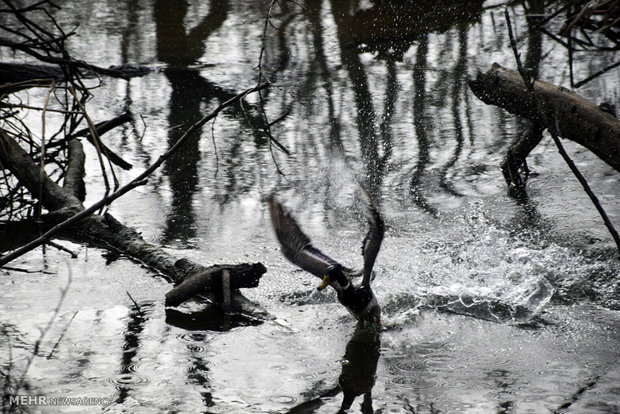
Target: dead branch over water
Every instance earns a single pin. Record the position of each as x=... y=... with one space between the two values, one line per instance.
x=556 y=109
x=579 y=119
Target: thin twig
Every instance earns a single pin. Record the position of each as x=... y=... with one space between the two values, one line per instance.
x=44 y=331
x=64 y=331
x=136 y=305
x=42 y=167
x=217 y=159
x=62 y=248
x=64 y=61
x=267 y=131
x=96 y=140
x=36 y=108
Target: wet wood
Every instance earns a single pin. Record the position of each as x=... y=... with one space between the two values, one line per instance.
x=218 y=278
x=576 y=118
x=515 y=160
x=15 y=159
x=22 y=72
x=74 y=176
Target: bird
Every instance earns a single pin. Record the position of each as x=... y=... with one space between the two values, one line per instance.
x=359 y=299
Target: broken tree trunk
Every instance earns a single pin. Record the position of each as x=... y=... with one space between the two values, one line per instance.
x=576 y=118
x=64 y=203
x=213 y=279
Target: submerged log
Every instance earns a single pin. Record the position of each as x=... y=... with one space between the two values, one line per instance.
x=574 y=117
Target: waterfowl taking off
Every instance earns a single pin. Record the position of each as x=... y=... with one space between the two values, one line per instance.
x=296 y=247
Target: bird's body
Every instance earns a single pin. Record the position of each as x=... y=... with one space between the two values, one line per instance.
x=296 y=247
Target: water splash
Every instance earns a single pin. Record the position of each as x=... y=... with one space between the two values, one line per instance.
x=475 y=265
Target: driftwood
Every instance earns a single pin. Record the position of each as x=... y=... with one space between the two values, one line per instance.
x=64 y=202
x=576 y=118
x=74 y=176
x=21 y=72
x=218 y=278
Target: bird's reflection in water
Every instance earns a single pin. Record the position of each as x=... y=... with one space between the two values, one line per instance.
x=360 y=366
x=358 y=372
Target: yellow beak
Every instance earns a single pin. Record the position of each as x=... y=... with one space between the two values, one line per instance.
x=326 y=281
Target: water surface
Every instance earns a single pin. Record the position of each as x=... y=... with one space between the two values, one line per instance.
x=491 y=303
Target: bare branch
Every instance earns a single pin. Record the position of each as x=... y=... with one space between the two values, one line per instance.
x=553 y=129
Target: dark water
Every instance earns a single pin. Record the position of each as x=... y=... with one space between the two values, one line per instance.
x=491 y=304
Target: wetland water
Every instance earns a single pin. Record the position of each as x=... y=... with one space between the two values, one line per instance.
x=490 y=304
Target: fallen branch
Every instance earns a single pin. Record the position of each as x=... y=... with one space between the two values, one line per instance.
x=74 y=176
x=16 y=160
x=515 y=159
x=211 y=279
x=578 y=119
x=552 y=125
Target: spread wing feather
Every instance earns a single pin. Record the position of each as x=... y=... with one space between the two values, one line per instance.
x=372 y=241
x=296 y=246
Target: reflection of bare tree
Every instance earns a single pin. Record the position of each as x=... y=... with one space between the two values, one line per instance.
x=314 y=10
x=180 y=49
x=176 y=46
x=131 y=345
x=388 y=112
x=386 y=30
x=459 y=73
x=366 y=116
x=420 y=125
x=534 y=17
x=131 y=32
x=182 y=169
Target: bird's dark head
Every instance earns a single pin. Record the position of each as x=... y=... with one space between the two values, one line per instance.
x=333 y=274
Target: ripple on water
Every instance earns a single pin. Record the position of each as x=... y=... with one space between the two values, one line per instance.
x=193 y=337
x=123 y=380
x=131 y=367
x=415 y=382
x=196 y=348
x=193 y=342
x=282 y=399
x=407 y=365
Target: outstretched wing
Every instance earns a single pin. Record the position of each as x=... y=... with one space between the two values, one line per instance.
x=296 y=246
x=373 y=239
